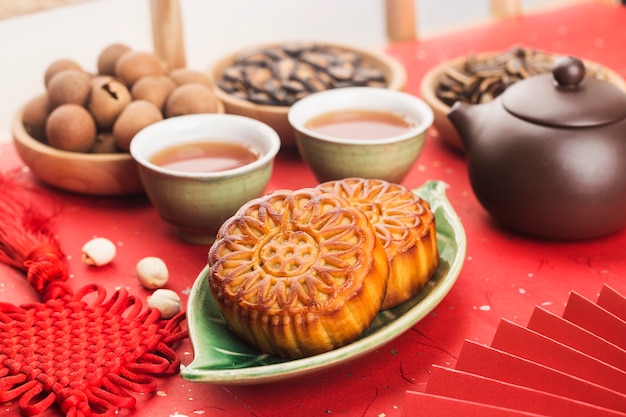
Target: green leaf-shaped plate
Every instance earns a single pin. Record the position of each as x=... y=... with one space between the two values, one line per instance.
x=221 y=358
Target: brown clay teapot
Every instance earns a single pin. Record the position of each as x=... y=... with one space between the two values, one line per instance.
x=547 y=158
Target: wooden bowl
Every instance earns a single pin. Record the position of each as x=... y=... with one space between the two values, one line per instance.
x=447 y=131
x=276 y=116
x=84 y=173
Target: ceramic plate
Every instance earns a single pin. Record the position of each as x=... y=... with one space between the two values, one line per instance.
x=221 y=358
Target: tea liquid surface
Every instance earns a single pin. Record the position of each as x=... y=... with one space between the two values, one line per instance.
x=360 y=124
x=205 y=156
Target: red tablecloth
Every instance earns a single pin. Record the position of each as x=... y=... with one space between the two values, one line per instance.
x=504 y=275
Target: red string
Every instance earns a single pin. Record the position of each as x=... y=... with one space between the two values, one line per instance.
x=45 y=264
x=84 y=356
x=27 y=241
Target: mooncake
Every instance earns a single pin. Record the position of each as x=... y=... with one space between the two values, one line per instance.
x=405 y=225
x=298 y=273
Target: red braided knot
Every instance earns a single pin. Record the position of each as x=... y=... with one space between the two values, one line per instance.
x=84 y=355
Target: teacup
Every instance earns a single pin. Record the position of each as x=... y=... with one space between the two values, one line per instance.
x=198 y=199
x=334 y=156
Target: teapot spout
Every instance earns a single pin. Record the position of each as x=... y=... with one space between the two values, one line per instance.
x=467 y=119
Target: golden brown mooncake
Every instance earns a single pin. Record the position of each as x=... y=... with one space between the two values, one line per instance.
x=404 y=224
x=297 y=273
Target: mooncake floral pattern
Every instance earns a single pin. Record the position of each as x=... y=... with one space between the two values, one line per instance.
x=394 y=211
x=293 y=250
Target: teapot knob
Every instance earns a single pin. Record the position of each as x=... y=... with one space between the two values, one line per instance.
x=568 y=71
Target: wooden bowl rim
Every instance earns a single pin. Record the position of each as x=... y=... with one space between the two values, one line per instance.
x=25 y=139
x=431 y=78
x=398 y=76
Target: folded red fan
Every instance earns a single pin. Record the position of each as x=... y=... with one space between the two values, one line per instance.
x=557 y=366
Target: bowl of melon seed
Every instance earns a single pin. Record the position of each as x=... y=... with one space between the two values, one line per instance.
x=480 y=77
x=263 y=81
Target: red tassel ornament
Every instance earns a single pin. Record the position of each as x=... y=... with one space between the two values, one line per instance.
x=79 y=350
x=26 y=240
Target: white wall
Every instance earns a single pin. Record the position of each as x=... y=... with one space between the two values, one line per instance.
x=212 y=28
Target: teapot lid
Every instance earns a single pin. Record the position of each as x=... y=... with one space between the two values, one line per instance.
x=565 y=98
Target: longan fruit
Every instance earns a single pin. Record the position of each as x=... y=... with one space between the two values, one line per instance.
x=187 y=76
x=155 y=89
x=58 y=66
x=191 y=99
x=34 y=116
x=104 y=143
x=69 y=86
x=109 y=56
x=137 y=115
x=133 y=65
x=108 y=97
x=71 y=127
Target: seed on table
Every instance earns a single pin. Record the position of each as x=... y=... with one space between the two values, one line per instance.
x=152 y=272
x=166 y=301
x=98 y=251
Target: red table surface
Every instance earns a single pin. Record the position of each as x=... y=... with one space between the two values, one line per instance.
x=504 y=275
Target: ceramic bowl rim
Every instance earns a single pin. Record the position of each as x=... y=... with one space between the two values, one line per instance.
x=270 y=137
x=425 y=112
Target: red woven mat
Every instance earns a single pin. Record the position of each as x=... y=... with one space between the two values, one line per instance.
x=80 y=350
